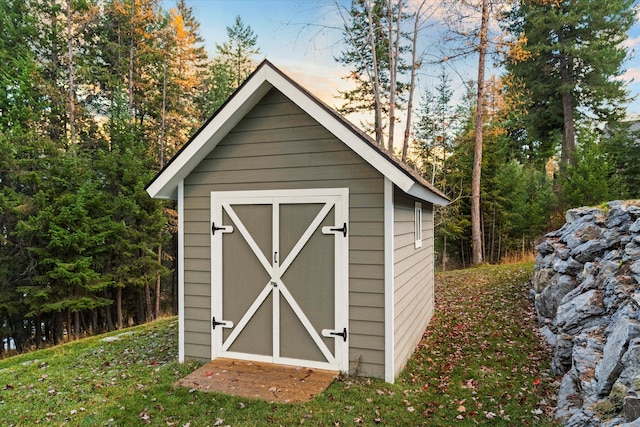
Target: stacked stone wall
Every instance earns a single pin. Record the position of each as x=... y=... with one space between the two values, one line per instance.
x=586 y=285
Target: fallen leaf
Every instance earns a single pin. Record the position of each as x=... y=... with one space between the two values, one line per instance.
x=462 y=409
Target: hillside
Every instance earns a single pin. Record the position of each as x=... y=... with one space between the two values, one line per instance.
x=480 y=360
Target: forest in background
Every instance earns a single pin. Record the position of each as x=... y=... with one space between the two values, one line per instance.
x=96 y=96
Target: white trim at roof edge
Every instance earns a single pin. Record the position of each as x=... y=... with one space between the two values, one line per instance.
x=418 y=191
x=250 y=93
x=354 y=141
x=389 y=273
x=181 y=354
x=165 y=184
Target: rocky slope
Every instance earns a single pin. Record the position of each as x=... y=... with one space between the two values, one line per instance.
x=586 y=285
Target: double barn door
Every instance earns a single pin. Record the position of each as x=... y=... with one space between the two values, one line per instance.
x=280 y=276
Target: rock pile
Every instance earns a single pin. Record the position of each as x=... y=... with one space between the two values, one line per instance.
x=586 y=285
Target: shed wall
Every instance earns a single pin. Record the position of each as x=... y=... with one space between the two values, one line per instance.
x=279 y=146
x=413 y=281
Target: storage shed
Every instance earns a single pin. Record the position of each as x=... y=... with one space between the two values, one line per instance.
x=300 y=242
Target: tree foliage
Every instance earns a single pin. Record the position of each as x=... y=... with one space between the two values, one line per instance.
x=567 y=58
x=94 y=97
x=375 y=51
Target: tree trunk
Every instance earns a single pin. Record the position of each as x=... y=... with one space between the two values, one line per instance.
x=412 y=83
x=147 y=303
x=394 y=47
x=72 y=88
x=163 y=121
x=444 y=254
x=131 y=56
x=58 y=328
x=69 y=325
x=158 y=283
x=375 y=78
x=107 y=312
x=38 y=326
x=567 y=157
x=76 y=325
x=476 y=232
x=140 y=307
x=119 y=307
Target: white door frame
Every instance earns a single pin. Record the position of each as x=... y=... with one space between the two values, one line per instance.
x=337 y=198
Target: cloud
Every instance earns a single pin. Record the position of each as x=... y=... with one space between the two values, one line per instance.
x=632 y=75
x=631 y=42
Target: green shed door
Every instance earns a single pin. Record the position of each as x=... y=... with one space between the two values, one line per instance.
x=280 y=276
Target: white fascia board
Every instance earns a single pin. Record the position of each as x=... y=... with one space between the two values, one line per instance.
x=418 y=191
x=352 y=140
x=164 y=187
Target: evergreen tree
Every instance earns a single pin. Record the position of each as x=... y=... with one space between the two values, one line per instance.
x=592 y=179
x=567 y=58
x=238 y=51
x=436 y=129
x=233 y=64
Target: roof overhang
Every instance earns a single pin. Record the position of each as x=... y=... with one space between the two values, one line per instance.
x=266 y=77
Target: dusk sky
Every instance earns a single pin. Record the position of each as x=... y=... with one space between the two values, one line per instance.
x=303 y=37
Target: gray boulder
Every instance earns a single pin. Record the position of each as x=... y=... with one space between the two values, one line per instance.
x=581 y=312
x=610 y=367
x=549 y=300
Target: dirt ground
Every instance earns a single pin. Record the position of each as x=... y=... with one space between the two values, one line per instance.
x=273 y=383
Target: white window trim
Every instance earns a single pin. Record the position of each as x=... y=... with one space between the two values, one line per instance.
x=418 y=225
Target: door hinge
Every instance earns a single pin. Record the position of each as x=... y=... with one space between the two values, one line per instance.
x=332 y=230
x=329 y=333
x=224 y=323
x=223 y=229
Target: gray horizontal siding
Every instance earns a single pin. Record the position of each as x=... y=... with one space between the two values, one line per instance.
x=278 y=146
x=413 y=278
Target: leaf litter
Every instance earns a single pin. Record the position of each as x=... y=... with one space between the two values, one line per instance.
x=480 y=361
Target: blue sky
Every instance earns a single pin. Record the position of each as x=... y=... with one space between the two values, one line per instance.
x=302 y=38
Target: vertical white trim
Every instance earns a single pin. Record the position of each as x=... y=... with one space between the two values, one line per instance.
x=343 y=283
x=389 y=337
x=275 y=272
x=181 y=271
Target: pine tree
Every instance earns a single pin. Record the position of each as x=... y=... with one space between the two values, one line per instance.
x=238 y=51
x=567 y=57
x=436 y=129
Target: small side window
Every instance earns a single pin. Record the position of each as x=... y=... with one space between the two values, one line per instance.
x=418 y=224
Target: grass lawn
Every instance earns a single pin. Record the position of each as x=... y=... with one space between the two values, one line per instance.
x=480 y=362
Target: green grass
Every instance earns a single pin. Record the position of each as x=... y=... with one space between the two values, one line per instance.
x=480 y=362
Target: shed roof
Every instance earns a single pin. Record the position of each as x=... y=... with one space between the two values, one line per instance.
x=266 y=77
